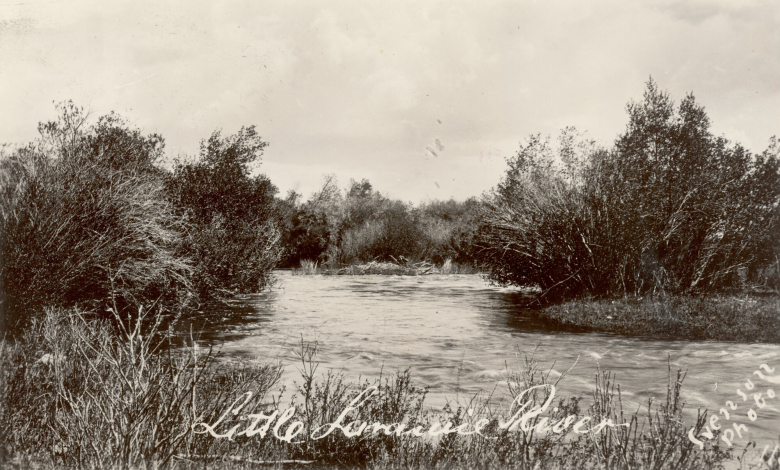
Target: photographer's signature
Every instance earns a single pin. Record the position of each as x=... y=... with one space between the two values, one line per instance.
x=753 y=398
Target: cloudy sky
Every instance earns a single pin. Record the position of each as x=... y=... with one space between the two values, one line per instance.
x=365 y=89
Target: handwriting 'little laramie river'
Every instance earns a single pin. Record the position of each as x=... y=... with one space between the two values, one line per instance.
x=520 y=415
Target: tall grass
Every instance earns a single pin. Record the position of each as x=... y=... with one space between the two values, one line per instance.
x=651 y=439
x=76 y=392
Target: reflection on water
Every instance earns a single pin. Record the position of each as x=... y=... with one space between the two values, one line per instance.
x=459 y=336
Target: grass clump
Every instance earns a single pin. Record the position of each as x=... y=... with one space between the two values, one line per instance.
x=76 y=392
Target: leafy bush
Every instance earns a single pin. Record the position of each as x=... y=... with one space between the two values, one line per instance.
x=85 y=221
x=670 y=208
x=538 y=228
x=232 y=235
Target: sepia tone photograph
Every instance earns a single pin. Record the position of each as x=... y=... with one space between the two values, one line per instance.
x=389 y=235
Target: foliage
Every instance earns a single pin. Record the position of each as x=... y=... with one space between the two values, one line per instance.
x=709 y=208
x=232 y=236
x=670 y=208
x=360 y=225
x=538 y=229
x=85 y=221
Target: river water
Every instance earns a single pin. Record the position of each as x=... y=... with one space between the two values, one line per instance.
x=460 y=335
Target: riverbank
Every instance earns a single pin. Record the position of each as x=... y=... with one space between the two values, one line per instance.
x=387 y=268
x=741 y=318
x=75 y=393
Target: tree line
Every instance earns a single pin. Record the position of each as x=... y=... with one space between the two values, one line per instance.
x=91 y=218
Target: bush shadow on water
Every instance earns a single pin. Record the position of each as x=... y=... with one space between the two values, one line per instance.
x=522 y=314
x=220 y=321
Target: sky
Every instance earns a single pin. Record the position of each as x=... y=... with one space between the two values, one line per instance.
x=425 y=99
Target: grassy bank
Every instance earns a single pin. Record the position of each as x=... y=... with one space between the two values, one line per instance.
x=76 y=392
x=725 y=318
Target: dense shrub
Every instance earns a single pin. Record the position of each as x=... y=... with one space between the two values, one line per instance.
x=670 y=207
x=359 y=225
x=709 y=208
x=85 y=221
x=232 y=237
x=538 y=229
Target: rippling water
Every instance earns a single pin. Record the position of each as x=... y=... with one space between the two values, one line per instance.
x=459 y=335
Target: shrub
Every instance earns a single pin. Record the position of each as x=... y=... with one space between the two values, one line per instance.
x=669 y=208
x=538 y=228
x=85 y=222
x=232 y=233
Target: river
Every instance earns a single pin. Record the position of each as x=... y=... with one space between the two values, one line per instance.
x=460 y=335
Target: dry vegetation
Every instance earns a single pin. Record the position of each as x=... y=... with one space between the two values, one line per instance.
x=77 y=393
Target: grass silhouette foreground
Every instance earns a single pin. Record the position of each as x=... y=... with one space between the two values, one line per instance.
x=87 y=393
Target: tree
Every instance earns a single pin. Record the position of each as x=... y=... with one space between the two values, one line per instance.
x=234 y=238
x=704 y=204
x=669 y=207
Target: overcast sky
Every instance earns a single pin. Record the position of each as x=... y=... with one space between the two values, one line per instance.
x=364 y=89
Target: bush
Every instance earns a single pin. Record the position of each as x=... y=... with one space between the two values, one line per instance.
x=669 y=208
x=232 y=232
x=85 y=222
x=538 y=228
